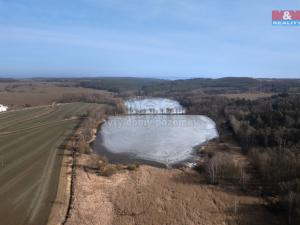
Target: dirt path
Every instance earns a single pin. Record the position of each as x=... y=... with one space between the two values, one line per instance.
x=60 y=205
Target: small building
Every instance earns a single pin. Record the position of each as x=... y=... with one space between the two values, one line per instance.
x=3 y=108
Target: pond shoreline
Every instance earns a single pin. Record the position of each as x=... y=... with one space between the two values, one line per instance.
x=118 y=158
x=153 y=131
x=129 y=158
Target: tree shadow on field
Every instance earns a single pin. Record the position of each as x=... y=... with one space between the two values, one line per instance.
x=189 y=177
x=252 y=214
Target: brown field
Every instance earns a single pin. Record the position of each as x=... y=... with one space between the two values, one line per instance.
x=30 y=159
x=152 y=196
x=33 y=93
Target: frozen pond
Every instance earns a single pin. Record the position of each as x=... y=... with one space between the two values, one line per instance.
x=153 y=106
x=165 y=139
x=148 y=135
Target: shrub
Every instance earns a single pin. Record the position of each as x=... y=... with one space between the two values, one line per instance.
x=108 y=170
x=222 y=167
x=134 y=166
x=95 y=162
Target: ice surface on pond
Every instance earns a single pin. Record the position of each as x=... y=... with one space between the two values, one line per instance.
x=166 y=139
x=3 y=108
x=153 y=106
x=148 y=134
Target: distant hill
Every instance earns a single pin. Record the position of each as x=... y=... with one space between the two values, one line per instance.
x=119 y=84
x=7 y=80
x=113 y=84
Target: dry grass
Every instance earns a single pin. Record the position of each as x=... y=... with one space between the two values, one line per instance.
x=150 y=195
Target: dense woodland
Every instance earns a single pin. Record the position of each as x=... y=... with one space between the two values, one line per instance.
x=265 y=122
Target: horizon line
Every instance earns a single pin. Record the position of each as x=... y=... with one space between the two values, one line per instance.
x=16 y=77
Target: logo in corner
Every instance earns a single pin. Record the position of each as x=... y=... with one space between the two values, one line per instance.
x=286 y=17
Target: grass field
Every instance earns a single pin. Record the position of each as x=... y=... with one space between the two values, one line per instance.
x=30 y=160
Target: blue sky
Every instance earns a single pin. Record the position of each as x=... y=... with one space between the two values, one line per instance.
x=153 y=38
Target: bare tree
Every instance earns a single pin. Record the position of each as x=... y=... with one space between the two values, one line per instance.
x=291 y=201
x=222 y=166
x=213 y=168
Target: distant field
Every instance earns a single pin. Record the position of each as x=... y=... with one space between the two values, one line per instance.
x=249 y=96
x=33 y=93
x=30 y=160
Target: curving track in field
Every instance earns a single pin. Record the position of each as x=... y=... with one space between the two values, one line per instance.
x=30 y=160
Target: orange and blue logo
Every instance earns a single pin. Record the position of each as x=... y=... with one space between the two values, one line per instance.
x=286 y=17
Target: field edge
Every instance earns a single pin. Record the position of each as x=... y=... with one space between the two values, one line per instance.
x=60 y=206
